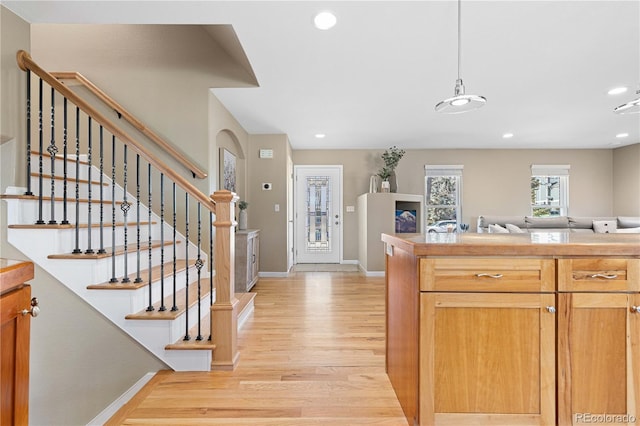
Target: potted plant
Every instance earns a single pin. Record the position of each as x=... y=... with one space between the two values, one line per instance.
x=391 y=158
x=242 y=223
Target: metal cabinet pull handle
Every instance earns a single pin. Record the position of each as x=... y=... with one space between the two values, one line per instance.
x=551 y=309
x=35 y=309
x=635 y=309
x=605 y=276
x=496 y=276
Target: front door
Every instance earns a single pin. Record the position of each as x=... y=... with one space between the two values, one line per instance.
x=318 y=216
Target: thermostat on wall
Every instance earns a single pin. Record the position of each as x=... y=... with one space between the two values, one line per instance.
x=266 y=153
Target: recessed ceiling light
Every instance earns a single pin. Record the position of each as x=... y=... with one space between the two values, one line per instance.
x=507 y=135
x=622 y=135
x=320 y=135
x=324 y=20
x=617 y=90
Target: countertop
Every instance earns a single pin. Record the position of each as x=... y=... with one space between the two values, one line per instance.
x=551 y=244
x=14 y=273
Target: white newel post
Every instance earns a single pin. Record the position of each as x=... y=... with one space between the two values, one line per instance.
x=224 y=314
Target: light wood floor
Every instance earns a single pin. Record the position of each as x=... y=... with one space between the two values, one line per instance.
x=311 y=354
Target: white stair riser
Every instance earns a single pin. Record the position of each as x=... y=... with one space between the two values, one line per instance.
x=29 y=212
x=124 y=302
x=83 y=189
x=58 y=167
x=175 y=329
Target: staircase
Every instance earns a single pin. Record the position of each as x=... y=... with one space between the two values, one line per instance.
x=125 y=232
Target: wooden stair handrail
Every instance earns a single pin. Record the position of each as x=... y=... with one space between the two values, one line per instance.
x=122 y=112
x=25 y=62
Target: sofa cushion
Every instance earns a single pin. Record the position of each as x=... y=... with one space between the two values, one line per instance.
x=605 y=226
x=547 y=222
x=497 y=229
x=628 y=230
x=628 y=222
x=514 y=229
x=485 y=221
x=585 y=222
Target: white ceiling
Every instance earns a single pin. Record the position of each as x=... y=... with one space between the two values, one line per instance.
x=373 y=80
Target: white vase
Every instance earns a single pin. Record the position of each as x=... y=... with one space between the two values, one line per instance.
x=242 y=222
x=385 y=186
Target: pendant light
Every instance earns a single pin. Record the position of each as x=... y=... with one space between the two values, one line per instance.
x=460 y=102
x=632 y=107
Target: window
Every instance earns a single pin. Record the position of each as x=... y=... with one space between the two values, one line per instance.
x=549 y=190
x=443 y=197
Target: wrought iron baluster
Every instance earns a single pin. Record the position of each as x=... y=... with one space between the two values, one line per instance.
x=29 y=192
x=101 y=250
x=199 y=265
x=174 y=307
x=210 y=263
x=77 y=250
x=186 y=287
x=125 y=206
x=65 y=172
x=40 y=221
x=150 y=307
x=162 y=305
x=138 y=277
x=89 y=249
x=113 y=279
x=52 y=149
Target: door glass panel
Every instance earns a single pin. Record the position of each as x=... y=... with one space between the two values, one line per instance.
x=318 y=220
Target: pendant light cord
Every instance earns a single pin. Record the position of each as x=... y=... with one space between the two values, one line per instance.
x=459 y=43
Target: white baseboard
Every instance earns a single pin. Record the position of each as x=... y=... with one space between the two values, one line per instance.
x=349 y=262
x=113 y=408
x=273 y=274
x=371 y=273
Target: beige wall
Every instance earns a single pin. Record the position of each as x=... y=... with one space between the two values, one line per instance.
x=80 y=362
x=626 y=180
x=160 y=73
x=494 y=181
x=261 y=211
x=14 y=36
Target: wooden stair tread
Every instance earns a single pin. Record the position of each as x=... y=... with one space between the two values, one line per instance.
x=119 y=251
x=60 y=199
x=49 y=177
x=59 y=157
x=244 y=299
x=70 y=225
x=192 y=343
x=156 y=314
x=181 y=265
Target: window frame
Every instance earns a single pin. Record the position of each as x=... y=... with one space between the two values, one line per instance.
x=448 y=171
x=559 y=171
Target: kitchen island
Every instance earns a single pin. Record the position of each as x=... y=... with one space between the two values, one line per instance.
x=514 y=329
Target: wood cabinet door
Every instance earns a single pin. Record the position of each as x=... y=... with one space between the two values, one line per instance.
x=487 y=358
x=598 y=358
x=14 y=356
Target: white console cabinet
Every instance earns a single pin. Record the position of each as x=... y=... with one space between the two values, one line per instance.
x=247 y=259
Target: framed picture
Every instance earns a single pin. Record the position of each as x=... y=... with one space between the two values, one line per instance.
x=406 y=221
x=227 y=170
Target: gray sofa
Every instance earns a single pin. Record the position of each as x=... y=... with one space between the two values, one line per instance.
x=625 y=224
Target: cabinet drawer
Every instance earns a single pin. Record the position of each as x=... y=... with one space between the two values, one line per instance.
x=487 y=275
x=599 y=275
